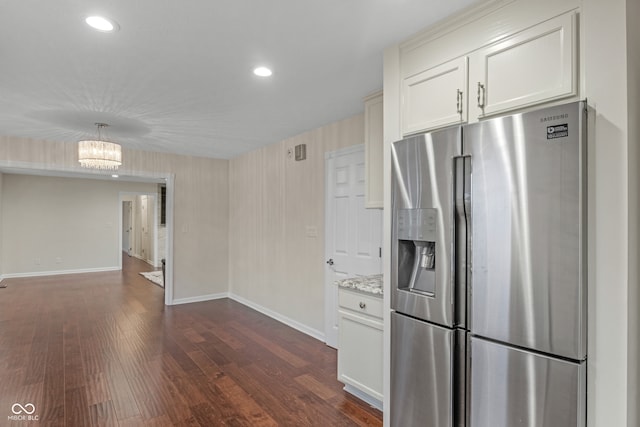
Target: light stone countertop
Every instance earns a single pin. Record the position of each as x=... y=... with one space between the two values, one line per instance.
x=368 y=284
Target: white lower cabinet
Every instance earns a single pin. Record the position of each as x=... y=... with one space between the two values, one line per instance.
x=360 y=345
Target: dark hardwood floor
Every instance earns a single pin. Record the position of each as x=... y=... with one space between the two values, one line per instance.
x=102 y=349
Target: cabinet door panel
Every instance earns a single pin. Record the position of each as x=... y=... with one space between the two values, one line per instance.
x=435 y=98
x=535 y=66
x=373 y=132
x=360 y=353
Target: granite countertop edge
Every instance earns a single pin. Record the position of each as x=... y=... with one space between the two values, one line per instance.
x=371 y=285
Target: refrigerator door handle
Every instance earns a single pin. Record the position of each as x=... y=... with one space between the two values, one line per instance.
x=462 y=196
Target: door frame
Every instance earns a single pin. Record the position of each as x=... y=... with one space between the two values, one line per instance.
x=169 y=180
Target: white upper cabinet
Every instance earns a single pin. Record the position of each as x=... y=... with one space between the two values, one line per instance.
x=534 y=66
x=373 y=117
x=522 y=68
x=435 y=97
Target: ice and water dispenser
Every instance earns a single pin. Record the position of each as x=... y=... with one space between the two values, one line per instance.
x=417 y=250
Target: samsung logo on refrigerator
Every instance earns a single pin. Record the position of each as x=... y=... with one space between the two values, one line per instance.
x=554 y=118
x=557 y=131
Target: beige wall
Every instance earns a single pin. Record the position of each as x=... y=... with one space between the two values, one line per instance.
x=61 y=224
x=201 y=212
x=273 y=198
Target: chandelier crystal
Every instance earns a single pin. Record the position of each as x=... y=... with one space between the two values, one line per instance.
x=99 y=153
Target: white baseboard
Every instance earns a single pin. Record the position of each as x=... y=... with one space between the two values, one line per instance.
x=199 y=298
x=274 y=315
x=148 y=261
x=60 y=272
x=279 y=317
x=363 y=396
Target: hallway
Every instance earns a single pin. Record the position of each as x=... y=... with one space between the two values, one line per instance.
x=102 y=349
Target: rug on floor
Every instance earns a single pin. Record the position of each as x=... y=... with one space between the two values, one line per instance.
x=155 y=277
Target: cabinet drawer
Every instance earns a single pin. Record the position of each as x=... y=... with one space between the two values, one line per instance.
x=360 y=303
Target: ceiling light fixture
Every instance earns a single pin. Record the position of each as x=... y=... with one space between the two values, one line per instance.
x=262 y=72
x=101 y=23
x=99 y=153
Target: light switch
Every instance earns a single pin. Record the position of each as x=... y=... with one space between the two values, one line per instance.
x=312 y=231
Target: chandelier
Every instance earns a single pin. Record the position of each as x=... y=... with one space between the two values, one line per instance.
x=99 y=153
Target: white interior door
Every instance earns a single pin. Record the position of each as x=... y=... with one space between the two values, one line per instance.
x=353 y=241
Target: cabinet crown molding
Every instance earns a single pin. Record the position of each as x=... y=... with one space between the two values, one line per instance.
x=372 y=95
x=464 y=17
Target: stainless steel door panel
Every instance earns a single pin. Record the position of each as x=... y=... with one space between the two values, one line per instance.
x=512 y=387
x=421 y=373
x=528 y=225
x=422 y=178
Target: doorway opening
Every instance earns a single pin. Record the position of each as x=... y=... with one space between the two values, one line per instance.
x=146 y=228
x=143 y=236
x=157 y=178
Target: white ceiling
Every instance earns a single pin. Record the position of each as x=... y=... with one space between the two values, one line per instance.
x=177 y=76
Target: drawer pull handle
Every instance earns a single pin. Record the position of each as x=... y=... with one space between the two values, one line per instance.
x=362 y=305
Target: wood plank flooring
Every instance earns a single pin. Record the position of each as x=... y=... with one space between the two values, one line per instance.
x=101 y=349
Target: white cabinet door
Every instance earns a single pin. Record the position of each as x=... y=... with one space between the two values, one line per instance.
x=435 y=98
x=360 y=350
x=534 y=66
x=373 y=116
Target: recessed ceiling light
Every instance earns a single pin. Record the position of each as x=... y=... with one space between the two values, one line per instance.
x=114 y=176
x=262 y=72
x=101 y=23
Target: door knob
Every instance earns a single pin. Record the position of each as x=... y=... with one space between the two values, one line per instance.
x=330 y=262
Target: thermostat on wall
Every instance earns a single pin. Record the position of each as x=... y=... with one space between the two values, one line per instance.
x=301 y=152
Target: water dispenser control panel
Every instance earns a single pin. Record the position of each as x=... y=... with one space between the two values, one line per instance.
x=416 y=224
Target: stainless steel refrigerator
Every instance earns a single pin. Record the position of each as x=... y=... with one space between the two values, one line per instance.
x=488 y=276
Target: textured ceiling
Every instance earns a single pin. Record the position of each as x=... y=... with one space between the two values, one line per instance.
x=177 y=76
